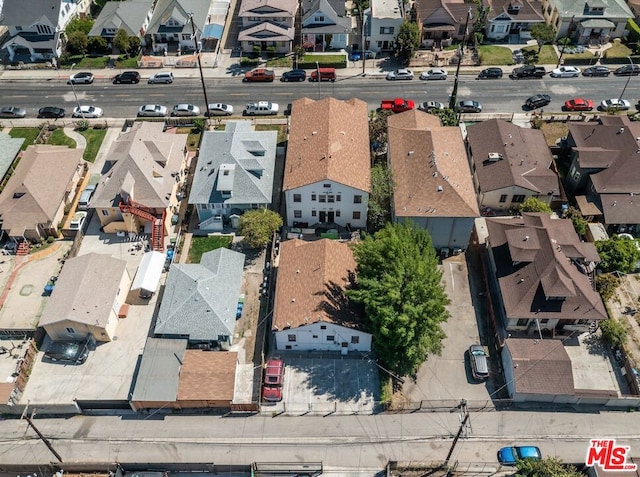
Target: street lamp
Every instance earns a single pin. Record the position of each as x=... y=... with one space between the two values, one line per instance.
x=364 y=54
x=454 y=93
x=628 y=79
x=73 y=88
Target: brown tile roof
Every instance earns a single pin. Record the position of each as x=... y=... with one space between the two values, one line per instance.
x=525 y=157
x=207 y=376
x=310 y=283
x=540 y=366
x=449 y=12
x=537 y=259
x=38 y=186
x=430 y=169
x=328 y=139
x=529 y=10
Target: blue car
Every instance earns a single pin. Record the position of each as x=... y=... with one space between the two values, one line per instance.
x=510 y=455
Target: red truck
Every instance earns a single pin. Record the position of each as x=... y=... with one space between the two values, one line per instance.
x=259 y=75
x=397 y=105
x=273 y=376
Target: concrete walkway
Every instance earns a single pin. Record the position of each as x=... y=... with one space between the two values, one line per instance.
x=81 y=142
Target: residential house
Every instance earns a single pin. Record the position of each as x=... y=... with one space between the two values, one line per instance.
x=512 y=18
x=214 y=26
x=132 y=16
x=432 y=184
x=311 y=311
x=36 y=30
x=544 y=276
x=267 y=24
x=9 y=149
x=174 y=377
x=327 y=175
x=171 y=28
x=587 y=22
x=382 y=23
x=200 y=299
x=235 y=174
x=87 y=298
x=141 y=190
x=326 y=25
x=441 y=21
x=604 y=175
x=32 y=203
x=510 y=164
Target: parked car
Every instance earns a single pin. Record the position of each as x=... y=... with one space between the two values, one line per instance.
x=325 y=74
x=77 y=221
x=615 y=104
x=185 y=110
x=294 y=75
x=537 y=101
x=219 y=109
x=51 y=112
x=430 y=106
x=273 y=377
x=73 y=352
x=565 y=72
x=434 y=74
x=397 y=105
x=261 y=108
x=12 y=112
x=152 y=110
x=578 y=104
x=511 y=455
x=131 y=77
x=260 y=75
x=82 y=77
x=478 y=362
x=628 y=70
x=469 y=106
x=86 y=196
x=401 y=74
x=490 y=73
x=596 y=71
x=86 y=111
x=528 y=72
x=164 y=77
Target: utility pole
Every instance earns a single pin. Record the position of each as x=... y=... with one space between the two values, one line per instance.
x=40 y=435
x=204 y=89
x=464 y=414
x=454 y=93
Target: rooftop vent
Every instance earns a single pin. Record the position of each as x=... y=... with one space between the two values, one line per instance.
x=494 y=156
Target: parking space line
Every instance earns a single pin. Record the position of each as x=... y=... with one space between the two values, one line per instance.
x=453 y=284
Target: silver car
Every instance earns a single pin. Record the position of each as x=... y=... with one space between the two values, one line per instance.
x=86 y=111
x=479 y=362
x=152 y=111
x=220 y=109
x=12 y=112
x=401 y=74
x=185 y=110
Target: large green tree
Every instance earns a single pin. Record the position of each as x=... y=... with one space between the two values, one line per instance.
x=448 y=116
x=547 y=467
x=258 y=227
x=614 y=332
x=380 y=198
x=77 y=43
x=399 y=285
x=121 y=40
x=618 y=254
x=79 y=24
x=407 y=41
x=532 y=204
x=542 y=33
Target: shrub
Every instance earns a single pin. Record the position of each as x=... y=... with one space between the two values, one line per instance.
x=50 y=239
x=81 y=124
x=312 y=66
x=244 y=61
x=256 y=49
x=634 y=30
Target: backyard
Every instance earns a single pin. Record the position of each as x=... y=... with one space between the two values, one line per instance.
x=200 y=245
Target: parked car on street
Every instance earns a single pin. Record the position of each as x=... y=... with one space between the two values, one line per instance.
x=596 y=71
x=578 y=104
x=294 y=75
x=162 y=77
x=469 y=106
x=184 y=109
x=51 y=112
x=12 y=112
x=478 y=362
x=82 y=77
x=434 y=74
x=397 y=105
x=131 y=77
x=261 y=108
x=219 y=109
x=152 y=110
x=259 y=75
x=430 y=106
x=325 y=74
x=615 y=104
x=87 y=111
x=628 y=70
x=490 y=73
x=537 y=101
x=401 y=74
x=511 y=455
x=565 y=72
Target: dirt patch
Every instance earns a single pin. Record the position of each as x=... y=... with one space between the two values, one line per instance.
x=625 y=306
x=553 y=131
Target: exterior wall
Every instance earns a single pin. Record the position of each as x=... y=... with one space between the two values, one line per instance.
x=346 y=207
x=281 y=46
x=532 y=328
x=446 y=232
x=376 y=40
x=59 y=332
x=492 y=198
x=507 y=367
x=313 y=337
x=208 y=211
x=311 y=36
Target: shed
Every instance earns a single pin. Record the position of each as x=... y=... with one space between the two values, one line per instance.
x=148 y=274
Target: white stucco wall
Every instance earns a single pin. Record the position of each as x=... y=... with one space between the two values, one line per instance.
x=318 y=337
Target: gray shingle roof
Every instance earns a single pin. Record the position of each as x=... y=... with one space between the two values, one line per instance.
x=612 y=8
x=159 y=374
x=200 y=300
x=9 y=149
x=180 y=11
x=239 y=150
x=21 y=13
x=129 y=16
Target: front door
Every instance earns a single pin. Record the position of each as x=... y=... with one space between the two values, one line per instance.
x=323 y=216
x=332 y=216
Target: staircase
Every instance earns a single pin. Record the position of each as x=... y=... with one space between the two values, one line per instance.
x=23 y=248
x=157 y=223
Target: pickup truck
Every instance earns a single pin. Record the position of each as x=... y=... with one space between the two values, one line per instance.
x=261 y=108
x=397 y=105
x=527 y=72
x=259 y=75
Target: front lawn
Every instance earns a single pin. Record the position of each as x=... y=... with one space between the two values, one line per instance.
x=94 y=139
x=126 y=63
x=29 y=135
x=85 y=62
x=283 y=61
x=59 y=138
x=495 y=55
x=547 y=55
x=201 y=245
x=618 y=50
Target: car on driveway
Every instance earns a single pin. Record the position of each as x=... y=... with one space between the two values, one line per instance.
x=86 y=111
x=511 y=455
x=12 y=112
x=615 y=104
x=628 y=70
x=430 y=106
x=479 y=362
x=152 y=110
x=77 y=220
x=82 y=77
x=401 y=74
x=434 y=74
x=273 y=377
x=565 y=72
x=578 y=104
x=294 y=75
x=537 y=101
x=185 y=110
x=219 y=109
x=596 y=71
x=469 y=106
x=72 y=352
x=490 y=73
x=131 y=77
x=51 y=112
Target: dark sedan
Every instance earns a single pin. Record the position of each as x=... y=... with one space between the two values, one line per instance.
x=537 y=101
x=12 y=112
x=469 y=106
x=490 y=73
x=627 y=70
x=596 y=71
x=51 y=112
x=294 y=75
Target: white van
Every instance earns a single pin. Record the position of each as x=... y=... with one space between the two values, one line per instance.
x=161 y=77
x=85 y=197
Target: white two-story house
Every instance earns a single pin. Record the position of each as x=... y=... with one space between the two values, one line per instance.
x=269 y=23
x=327 y=175
x=326 y=25
x=170 y=28
x=381 y=24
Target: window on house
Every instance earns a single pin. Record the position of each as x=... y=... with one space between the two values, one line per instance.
x=544 y=321
x=297 y=214
x=323 y=327
x=291 y=337
x=503 y=198
x=355 y=339
x=522 y=322
x=356 y=215
x=337 y=213
x=357 y=199
x=318 y=18
x=326 y=186
x=338 y=198
x=315 y=337
x=313 y=196
x=517 y=199
x=331 y=198
x=71 y=331
x=331 y=338
x=387 y=30
x=105 y=212
x=322 y=198
x=313 y=213
x=575 y=173
x=297 y=197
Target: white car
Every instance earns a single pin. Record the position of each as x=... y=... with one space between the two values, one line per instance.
x=434 y=74
x=430 y=106
x=83 y=77
x=220 y=109
x=77 y=220
x=152 y=110
x=566 y=72
x=261 y=108
x=401 y=74
x=86 y=111
x=185 y=110
x=615 y=103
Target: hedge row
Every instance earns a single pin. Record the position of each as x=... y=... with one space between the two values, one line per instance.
x=619 y=60
x=244 y=61
x=634 y=30
x=312 y=65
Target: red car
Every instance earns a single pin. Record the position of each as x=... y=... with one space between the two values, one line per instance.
x=578 y=104
x=273 y=376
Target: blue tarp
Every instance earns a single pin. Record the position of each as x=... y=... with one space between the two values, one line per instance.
x=213 y=30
